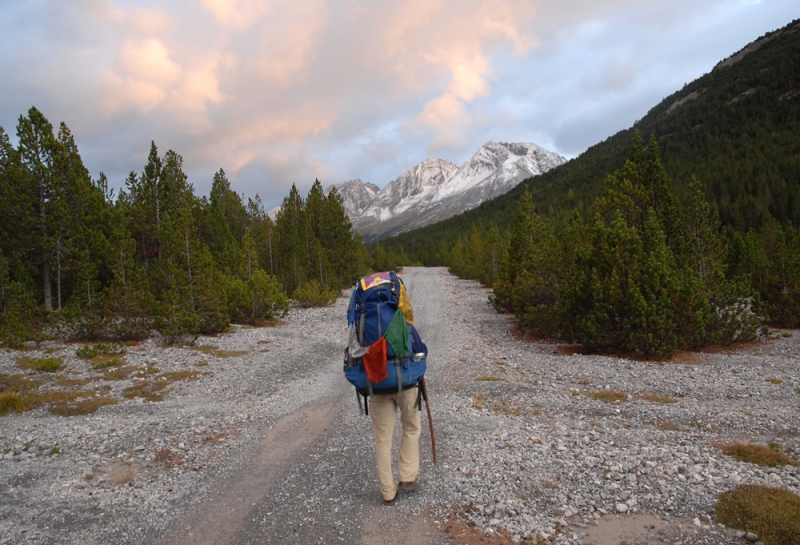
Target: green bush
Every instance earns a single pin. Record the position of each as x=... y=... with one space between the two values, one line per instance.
x=773 y=514
x=311 y=294
x=267 y=298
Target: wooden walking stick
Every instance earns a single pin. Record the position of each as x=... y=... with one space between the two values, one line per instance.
x=430 y=420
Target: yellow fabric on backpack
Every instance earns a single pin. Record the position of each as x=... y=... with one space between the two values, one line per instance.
x=404 y=304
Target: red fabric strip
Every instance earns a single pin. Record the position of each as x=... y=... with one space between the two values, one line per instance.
x=375 y=361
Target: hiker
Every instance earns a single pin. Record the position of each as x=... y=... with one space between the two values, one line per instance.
x=383 y=412
x=385 y=361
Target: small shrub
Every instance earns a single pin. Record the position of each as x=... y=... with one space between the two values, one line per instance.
x=54 y=451
x=757 y=454
x=773 y=514
x=11 y=402
x=47 y=365
x=609 y=396
x=104 y=361
x=775 y=380
x=88 y=352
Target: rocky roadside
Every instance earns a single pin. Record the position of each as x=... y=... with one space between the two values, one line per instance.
x=532 y=455
x=185 y=418
x=525 y=452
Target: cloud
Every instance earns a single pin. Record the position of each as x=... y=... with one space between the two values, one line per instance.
x=237 y=14
x=283 y=92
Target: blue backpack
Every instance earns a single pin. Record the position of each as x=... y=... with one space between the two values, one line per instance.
x=374 y=302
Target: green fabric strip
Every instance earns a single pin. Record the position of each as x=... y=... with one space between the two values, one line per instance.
x=397 y=335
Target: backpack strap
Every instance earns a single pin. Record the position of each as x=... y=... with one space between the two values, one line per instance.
x=399 y=375
x=365 y=408
x=418 y=404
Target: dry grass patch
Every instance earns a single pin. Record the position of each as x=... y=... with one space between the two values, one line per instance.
x=66 y=382
x=230 y=353
x=653 y=398
x=16 y=394
x=463 y=532
x=156 y=388
x=12 y=402
x=773 y=514
x=490 y=379
x=214 y=351
x=665 y=425
x=47 y=365
x=18 y=384
x=609 y=396
x=478 y=402
x=119 y=373
x=169 y=458
x=775 y=380
x=758 y=454
x=173 y=376
x=152 y=391
x=104 y=361
x=87 y=406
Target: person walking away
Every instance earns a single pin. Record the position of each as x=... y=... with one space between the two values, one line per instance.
x=383 y=411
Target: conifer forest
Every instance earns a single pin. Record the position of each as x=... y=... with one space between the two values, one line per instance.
x=80 y=262
x=678 y=233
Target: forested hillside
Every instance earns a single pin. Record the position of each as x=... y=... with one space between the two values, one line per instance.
x=736 y=130
x=78 y=261
x=724 y=152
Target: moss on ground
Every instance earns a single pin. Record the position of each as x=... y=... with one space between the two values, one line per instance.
x=47 y=365
x=758 y=454
x=773 y=514
x=609 y=396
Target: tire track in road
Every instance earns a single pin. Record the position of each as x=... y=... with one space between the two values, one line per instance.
x=220 y=518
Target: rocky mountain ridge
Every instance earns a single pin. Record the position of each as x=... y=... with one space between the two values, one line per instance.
x=437 y=189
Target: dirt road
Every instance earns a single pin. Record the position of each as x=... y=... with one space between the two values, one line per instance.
x=259 y=438
x=313 y=479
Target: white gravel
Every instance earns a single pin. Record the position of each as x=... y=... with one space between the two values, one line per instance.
x=527 y=453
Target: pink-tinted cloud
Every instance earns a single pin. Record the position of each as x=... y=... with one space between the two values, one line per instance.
x=277 y=92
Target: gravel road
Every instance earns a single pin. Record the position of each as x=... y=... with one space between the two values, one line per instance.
x=259 y=438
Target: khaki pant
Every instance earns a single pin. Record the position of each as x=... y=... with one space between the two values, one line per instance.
x=383 y=410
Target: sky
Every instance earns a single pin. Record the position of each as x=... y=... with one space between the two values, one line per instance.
x=285 y=92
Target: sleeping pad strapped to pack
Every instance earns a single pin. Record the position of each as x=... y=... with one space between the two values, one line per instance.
x=385 y=353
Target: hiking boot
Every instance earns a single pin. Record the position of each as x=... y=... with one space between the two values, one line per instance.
x=390 y=502
x=411 y=486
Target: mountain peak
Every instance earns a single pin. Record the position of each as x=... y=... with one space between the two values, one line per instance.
x=436 y=189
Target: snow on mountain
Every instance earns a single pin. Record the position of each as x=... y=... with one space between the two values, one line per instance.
x=436 y=189
x=356 y=196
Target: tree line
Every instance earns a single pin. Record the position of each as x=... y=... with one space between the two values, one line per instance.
x=78 y=261
x=641 y=272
